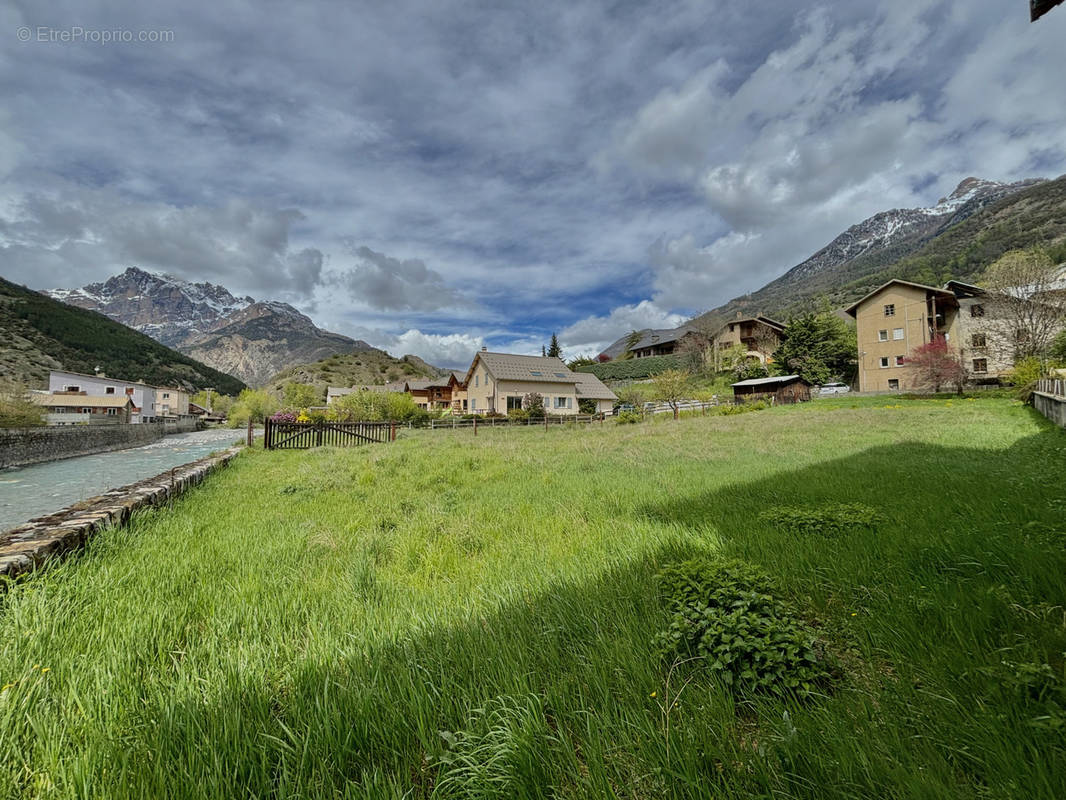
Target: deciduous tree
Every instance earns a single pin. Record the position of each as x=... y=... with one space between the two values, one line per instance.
x=937 y=365
x=671 y=387
x=1024 y=298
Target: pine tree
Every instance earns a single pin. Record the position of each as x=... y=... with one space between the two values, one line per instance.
x=554 y=351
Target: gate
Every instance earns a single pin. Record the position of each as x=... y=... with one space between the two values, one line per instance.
x=304 y=435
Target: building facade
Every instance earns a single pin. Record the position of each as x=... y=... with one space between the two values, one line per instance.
x=498 y=382
x=142 y=394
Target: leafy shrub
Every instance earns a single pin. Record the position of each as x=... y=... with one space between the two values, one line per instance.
x=723 y=615
x=283 y=416
x=632 y=368
x=518 y=414
x=829 y=520
x=17 y=410
x=533 y=405
x=730 y=409
x=628 y=417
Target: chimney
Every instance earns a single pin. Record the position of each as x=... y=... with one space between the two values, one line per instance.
x=484 y=348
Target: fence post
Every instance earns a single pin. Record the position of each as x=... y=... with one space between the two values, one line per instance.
x=249 y=431
x=392 y=432
x=475 y=426
x=545 y=423
x=266 y=433
x=318 y=434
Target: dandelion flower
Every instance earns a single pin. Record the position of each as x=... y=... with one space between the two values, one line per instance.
x=7 y=686
x=652 y=694
x=854 y=613
x=46 y=669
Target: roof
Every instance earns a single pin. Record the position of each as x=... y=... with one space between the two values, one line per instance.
x=960 y=289
x=776 y=379
x=941 y=292
x=102 y=377
x=651 y=337
x=83 y=400
x=534 y=369
x=770 y=323
x=421 y=386
x=592 y=388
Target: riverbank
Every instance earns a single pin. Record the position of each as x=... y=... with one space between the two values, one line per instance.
x=21 y=447
x=39 y=489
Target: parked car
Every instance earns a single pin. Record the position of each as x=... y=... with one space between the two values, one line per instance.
x=624 y=407
x=834 y=388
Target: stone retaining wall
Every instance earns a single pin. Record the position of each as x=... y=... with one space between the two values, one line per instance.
x=28 y=546
x=20 y=447
x=1051 y=406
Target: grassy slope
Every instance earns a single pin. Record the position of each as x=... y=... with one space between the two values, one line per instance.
x=474 y=617
x=40 y=333
x=353 y=369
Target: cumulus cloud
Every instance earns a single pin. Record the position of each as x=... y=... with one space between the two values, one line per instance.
x=78 y=234
x=593 y=334
x=393 y=284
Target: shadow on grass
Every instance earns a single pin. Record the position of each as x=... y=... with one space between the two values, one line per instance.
x=552 y=694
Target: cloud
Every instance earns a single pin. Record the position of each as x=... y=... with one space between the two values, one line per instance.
x=74 y=234
x=593 y=334
x=392 y=284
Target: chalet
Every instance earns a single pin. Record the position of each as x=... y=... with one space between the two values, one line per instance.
x=79 y=408
x=172 y=401
x=498 y=382
x=782 y=389
x=759 y=336
x=664 y=342
x=438 y=393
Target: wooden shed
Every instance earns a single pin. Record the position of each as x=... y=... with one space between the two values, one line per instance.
x=779 y=389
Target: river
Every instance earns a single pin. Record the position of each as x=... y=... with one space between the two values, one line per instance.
x=28 y=492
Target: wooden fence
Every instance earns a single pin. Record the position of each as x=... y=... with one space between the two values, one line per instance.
x=304 y=435
x=1051 y=386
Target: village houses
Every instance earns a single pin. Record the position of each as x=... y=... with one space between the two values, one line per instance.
x=78 y=398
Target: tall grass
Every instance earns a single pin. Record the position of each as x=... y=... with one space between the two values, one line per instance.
x=454 y=616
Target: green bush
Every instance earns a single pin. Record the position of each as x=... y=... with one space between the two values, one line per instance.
x=723 y=615
x=518 y=414
x=827 y=521
x=632 y=368
x=628 y=417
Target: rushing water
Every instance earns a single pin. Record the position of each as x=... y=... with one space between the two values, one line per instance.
x=28 y=492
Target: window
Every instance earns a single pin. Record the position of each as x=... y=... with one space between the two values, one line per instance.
x=978 y=340
x=473 y=404
x=900 y=361
x=109 y=390
x=166 y=395
x=897 y=333
x=86 y=411
x=882 y=336
x=980 y=365
x=562 y=402
x=477 y=380
x=112 y=412
x=560 y=374
x=893 y=383
x=884 y=361
x=129 y=390
x=1021 y=336
x=977 y=310
x=71 y=388
x=890 y=310
x=514 y=403
x=538 y=374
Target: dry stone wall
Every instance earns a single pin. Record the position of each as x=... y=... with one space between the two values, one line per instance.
x=31 y=545
x=20 y=447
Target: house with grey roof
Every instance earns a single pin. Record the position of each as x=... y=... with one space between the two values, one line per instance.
x=498 y=382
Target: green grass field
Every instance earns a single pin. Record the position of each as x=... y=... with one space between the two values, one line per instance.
x=459 y=617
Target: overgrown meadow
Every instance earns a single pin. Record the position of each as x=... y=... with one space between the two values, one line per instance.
x=858 y=598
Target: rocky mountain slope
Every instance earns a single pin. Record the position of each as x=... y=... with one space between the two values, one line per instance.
x=40 y=333
x=252 y=340
x=879 y=248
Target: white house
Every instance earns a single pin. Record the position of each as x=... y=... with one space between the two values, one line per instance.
x=143 y=395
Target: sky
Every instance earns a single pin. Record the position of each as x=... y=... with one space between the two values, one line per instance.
x=436 y=176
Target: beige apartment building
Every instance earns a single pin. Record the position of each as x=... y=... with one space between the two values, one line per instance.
x=891 y=322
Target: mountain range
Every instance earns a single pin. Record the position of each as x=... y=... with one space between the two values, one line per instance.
x=40 y=334
x=253 y=340
x=956 y=238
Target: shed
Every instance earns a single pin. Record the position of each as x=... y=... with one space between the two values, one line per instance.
x=781 y=388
